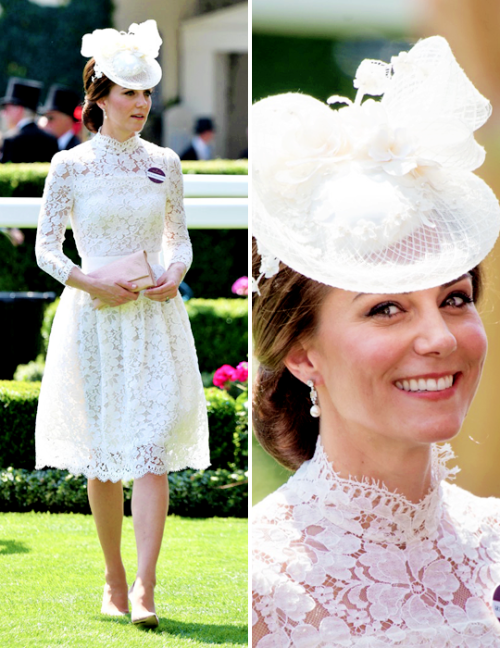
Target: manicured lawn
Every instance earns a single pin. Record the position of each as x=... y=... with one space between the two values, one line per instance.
x=51 y=579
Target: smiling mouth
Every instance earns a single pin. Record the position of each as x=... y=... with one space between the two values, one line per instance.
x=426 y=384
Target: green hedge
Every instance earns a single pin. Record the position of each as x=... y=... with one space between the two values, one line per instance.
x=18 y=404
x=219 y=258
x=220 y=330
x=27 y=180
x=19 y=401
x=206 y=493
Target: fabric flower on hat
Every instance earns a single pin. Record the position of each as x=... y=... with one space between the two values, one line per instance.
x=372 y=77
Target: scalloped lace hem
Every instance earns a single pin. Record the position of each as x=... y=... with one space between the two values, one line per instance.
x=124 y=475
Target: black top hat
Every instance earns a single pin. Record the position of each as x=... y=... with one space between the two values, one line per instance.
x=204 y=124
x=22 y=92
x=61 y=99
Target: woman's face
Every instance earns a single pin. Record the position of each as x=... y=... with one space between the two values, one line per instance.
x=403 y=366
x=126 y=110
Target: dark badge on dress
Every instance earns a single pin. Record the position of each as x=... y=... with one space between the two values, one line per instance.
x=156 y=175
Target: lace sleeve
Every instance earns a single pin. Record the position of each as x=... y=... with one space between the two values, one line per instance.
x=259 y=626
x=176 y=243
x=56 y=208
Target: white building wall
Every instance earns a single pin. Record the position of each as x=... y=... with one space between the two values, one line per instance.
x=205 y=42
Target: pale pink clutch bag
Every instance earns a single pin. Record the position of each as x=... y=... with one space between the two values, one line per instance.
x=134 y=268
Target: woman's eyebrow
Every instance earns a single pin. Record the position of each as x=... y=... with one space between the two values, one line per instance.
x=454 y=281
x=446 y=285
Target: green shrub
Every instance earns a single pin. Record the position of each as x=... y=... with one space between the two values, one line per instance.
x=220 y=330
x=207 y=493
x=215 y=167
x=206 y=277
x=23 y=180
x=18 y=404
x=222 y=417
x=240 y=437
x=31 y=372
x=48 y=319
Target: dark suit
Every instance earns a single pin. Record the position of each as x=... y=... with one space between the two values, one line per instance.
x=189 y=154
x=29 y=144
x=74 y=141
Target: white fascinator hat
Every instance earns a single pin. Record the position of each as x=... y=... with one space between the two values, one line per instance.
x=126 y=59
x=376 y=196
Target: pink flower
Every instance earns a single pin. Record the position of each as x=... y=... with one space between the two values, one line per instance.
x=241 y=372
x=240 y=286
x=223 y=376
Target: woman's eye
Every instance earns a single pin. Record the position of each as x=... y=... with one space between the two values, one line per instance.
x=458 y=300
x=387 y=309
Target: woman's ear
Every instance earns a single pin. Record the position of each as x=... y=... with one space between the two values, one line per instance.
x=299 y=364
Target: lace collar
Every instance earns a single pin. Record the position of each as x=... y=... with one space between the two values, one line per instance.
x=112 y=145
x=368 y=508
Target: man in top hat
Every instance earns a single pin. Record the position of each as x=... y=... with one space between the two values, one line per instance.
x=200 y=144
x=24 y=141
x=59 y=116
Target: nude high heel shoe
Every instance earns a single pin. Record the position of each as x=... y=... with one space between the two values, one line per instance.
x=145 y=621
x=108 y=607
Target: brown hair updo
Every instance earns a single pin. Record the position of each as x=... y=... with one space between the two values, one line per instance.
x=92 y=115
x=283 y=314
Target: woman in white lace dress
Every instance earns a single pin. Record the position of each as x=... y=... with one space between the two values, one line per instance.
x=370 y=229
x=121 y=397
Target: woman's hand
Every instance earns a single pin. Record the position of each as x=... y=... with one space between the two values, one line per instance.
x=111 y=294
x=168 y=284
x=115 y=294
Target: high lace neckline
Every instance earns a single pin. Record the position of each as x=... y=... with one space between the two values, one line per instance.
x=368 y=508
x=112 y=145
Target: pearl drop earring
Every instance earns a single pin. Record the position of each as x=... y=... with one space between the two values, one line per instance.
x=104 y=113
x=315 y=409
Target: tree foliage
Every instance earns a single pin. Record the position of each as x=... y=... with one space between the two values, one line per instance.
x=43 y=43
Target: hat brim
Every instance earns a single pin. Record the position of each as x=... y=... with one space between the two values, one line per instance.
x=453 y=233
x=149 y=76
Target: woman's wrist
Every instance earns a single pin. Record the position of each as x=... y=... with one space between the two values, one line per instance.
x=176 y=271
x=78 y=279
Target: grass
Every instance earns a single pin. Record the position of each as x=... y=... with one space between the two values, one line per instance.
x=51 y=579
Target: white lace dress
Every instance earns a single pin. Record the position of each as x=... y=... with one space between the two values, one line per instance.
x=338 y=562
x=121 y=395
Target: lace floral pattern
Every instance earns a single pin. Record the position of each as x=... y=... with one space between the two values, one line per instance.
x=121 y=394
x=339 y=562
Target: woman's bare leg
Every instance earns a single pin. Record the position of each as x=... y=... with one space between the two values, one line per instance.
x=149 y=510
x=106 y=503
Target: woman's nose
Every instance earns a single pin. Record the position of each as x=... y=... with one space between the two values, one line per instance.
x=434 y=336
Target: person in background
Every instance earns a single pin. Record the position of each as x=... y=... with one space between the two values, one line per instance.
x=24 y=141
x=200 y=148
x=59 y=116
